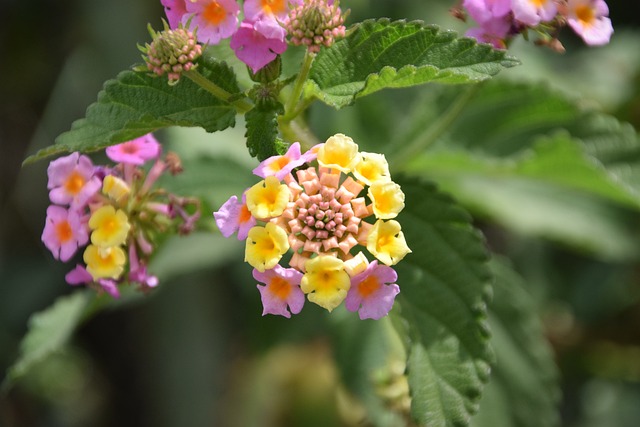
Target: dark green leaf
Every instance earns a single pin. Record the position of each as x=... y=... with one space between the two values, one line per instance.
x=444 y=287
x=136 y=103
x=382 y=54
x=262 y=132
x=523 y=391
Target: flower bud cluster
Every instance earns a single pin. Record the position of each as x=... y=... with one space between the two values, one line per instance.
x=320 y=209
x=115 y=212
x=171 y=52
x=315 y=23
x=500 y=20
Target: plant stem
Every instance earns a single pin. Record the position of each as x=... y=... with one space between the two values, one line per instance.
x=241 y=105
x=290 y=111
x=297 y=131
x=436 y=130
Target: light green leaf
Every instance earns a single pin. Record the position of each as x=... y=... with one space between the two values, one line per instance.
x=48 y=332
x=136 y=103
x=444 y=287
x=523 y=391
x=383 y=54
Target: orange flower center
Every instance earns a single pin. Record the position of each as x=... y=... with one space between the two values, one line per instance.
x=245 y=214
x=279 y=164
x=279 y=287
x=585 y=14
x=273 y=7
x=64 y=231
x=368 y=286
x=74 y=183
x=214 y=13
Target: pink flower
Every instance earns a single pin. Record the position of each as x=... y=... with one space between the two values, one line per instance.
x=215 y=19
x=484 y=36
x=136 y=151
x=281 y=166
x=138 y=271
x=234 y=216
x=483 y=11
x=589 y=19
x=175 y=10
x=72 y=180
x=80 y=276
x=282 y=289
x=372 y=292
x=254 y=48
x=64 y=232
x=256 y=9
x=532 y=12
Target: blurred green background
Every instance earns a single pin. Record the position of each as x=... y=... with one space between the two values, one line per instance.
x=197 y=352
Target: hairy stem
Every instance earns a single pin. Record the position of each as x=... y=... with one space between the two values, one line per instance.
x=242 y=106
x=290 y=110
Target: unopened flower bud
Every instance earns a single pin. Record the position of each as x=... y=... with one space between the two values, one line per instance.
x=315 y=23
x=171 y=52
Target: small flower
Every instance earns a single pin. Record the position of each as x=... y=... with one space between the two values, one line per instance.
x=494 y=18
x=386 y=242
x=214 y=19
x=387 y=199
x=589 y=19
x=373 y=291
x=136 y=151
x=104 y=263
x=80 y=276
x=268 y=198
x=281 y=166
x=72 y=180
x=115 y=188
x=255 y=9
x=265 y=246
x=282 y=289
x=258 y=43
x=326 y=282
x=110 y=227
x=171 y=52
x=532 y=12
x=64 y=232
x=315 y=23
x=338 y=152
x=371 y=167
x=234 y=216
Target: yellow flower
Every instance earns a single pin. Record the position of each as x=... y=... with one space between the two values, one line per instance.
x=110 y=227
x=371 y=167
x=326 y=281
x=115 y=188
x=265 y=246
x=387 y=199
x=339 y=152
x=386 y=242
x=104 y=263
x=268 y=198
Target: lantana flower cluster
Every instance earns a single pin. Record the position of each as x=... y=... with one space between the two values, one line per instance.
x=114 y=213
x=501 y=20
x=321 y=210
x=262 y=34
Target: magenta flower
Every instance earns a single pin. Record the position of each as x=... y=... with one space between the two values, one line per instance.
x=373 y=292
x=589 y=19
x=234 y=216
x=282 y=289
x=136 y=151
x=532 y=12
x=175 y=10
x=138 y=271
x=215 y=19
x=72 y=180
x=80 y=276
x=281 y=166
x=254 y=48
x=64 y=232
x=483 y=11
x=257 y=9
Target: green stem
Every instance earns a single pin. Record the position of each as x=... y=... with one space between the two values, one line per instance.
x=435 y=131
x=290 y=111
x=297 y=131
x=242 y=106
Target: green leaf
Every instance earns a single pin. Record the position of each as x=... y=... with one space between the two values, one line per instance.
x=136 y=103
x=382 y=54
x=523 y=391
x=262 y=132
x=444 y=286
x=49 y=331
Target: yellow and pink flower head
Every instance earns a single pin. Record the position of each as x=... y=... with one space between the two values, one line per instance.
x=321 y=209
